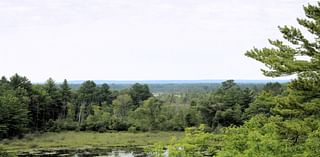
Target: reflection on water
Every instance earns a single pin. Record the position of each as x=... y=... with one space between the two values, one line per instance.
x=116 y=152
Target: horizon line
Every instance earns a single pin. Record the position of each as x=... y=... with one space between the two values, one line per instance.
x=172 y=81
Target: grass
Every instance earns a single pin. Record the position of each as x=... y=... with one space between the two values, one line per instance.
x=86 y=140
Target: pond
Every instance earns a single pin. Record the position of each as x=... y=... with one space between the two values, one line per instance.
x=110 y=152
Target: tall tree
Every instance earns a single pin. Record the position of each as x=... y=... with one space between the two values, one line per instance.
x=65 y=91
x=297 y=56
x=104 y=94
x=88 y=92
x=139 y=93
x=224 y=107
x=146 y=117
x=17 y=81
x=14 y=115
x=274 y=88
x=54 y=103
x=121 y=106
x=38 y=107
x=4 y=80
x=87 y=96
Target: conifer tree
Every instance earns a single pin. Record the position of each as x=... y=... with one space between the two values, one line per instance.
x=300 y=56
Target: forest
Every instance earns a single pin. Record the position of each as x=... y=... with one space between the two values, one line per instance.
x=228 y=120
x=53 y=107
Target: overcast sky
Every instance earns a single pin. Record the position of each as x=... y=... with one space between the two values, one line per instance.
x=139 y=39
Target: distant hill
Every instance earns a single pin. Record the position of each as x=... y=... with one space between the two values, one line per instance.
x=175 y=81
x=175 y=86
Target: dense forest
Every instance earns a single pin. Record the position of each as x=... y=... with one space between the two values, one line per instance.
x=27 y=107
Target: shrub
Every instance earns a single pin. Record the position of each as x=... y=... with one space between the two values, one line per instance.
x=132 y=129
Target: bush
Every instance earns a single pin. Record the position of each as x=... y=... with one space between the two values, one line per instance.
x=118 y=124
x=66 y=124
x=132 y=129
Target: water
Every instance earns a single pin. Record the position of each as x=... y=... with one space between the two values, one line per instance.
x=111 y=152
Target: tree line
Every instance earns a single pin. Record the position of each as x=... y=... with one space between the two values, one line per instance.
x=27 y=107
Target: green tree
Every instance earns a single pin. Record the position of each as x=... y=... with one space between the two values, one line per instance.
x=99 y=120
x=225 y=106
x=192 y=117
x=88 y=92
x=146 y=117
x=66 y=94
x=139 y=93
x=21 y=82
x=104 y=94
x=299 y=56
x=196 y=143
x=87 y=96
x=263 y=104
x=54 y=100
x=122 y=105
x=14 y=115
x=38 y=107
x=274 y=88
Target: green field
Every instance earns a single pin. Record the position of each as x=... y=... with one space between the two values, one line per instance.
x=86 y=140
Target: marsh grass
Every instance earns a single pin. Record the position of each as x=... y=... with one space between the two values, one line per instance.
x=87 y=140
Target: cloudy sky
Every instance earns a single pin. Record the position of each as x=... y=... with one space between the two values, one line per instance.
x=139 y=39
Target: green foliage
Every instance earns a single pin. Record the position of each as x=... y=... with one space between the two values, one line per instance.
x=54 y=105
x=192 y=117
x=66 y=96
x=121 y=106
x=64 y=124
x=260 y=136
x=98 y=121
x=132 y=129
x=104 y=95
x=196 y=143
x=156 y=150
x=257 y=137
x=20 y=82
x=139 y=93
x=87 y=92
x=118 y=124
x=312 y=144
x=14 y=115
x=146 y=117
x=274 y=88
x=226 y=106
x=263 y=104
x=172 y=118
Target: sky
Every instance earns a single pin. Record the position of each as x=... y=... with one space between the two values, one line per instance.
x=139 y=39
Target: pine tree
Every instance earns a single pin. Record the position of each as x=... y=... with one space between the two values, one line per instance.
x=298 y=56
x=65 y=91
x=54 y=102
